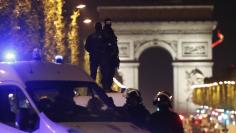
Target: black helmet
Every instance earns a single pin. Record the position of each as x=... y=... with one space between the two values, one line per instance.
x=108 y=21
x=133 y=93
x=98 y=26
x=162 y=99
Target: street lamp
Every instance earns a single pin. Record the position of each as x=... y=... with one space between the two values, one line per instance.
x=80 y=6
x=87 y=21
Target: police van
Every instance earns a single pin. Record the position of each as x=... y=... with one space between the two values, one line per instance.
x=45 y=97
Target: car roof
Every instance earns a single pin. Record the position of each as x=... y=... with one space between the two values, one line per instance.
x=42 y=71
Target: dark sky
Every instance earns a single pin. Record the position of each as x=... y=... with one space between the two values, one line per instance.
x=225 y=54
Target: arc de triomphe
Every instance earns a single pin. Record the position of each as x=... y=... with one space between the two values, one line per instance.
x=188 y=42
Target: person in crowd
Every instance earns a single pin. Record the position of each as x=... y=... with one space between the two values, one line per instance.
x=134 y=109
x=100 y=111
x=110 y=60
x=95 y=105
x=96 y=47
x=164 y=119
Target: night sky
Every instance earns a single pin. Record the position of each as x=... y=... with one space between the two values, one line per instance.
x=224 y=55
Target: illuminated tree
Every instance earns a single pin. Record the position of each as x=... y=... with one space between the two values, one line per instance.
x=26 y=24
x=54 y=29
x=73 y=37
x=5 y=18
x=20 y=27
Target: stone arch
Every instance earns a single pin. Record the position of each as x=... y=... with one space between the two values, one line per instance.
x=156 y=43
x=188 y=44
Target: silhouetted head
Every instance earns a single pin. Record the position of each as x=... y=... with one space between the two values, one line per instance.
x=95 y=105
x=107 y=22
x=98 y=26
x=36 y=54
x=133 y=97
x=163 y=100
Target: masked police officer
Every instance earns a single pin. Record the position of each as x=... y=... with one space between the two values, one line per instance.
x=134 y=109
x=96 y=47
x=110 y=61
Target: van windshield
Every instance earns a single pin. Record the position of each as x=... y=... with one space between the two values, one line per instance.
x=67 y=101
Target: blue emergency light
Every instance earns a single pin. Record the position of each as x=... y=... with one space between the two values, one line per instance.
x=58 y=59
x=10 y=57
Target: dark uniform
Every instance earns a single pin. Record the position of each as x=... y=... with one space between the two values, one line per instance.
x=96 y=47
x=134 y=110
x=110 y=61
x=164 y=120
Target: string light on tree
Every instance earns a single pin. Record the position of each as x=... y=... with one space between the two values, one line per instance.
x=73 y=38
x=54 y=29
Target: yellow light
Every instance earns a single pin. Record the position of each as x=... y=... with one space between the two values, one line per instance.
x=215 y=83
x=73 y=38
x=204 y=115
x=220 y=82
x=181 y=117
x=232 y=116
x=81 y=6
x=119 y=83
x=233 y=82
x=87 y=21
x=233 y=122
x=54 y=29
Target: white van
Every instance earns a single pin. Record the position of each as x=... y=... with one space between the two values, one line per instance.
x=40 y=97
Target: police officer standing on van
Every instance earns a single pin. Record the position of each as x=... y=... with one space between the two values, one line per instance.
x=110 y=61
x=96 y=47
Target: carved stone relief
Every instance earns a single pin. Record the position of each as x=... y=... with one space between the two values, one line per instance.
x=194 y=49
x=193 y=77
x=173 y=45
x=155 y=43
x=138 y=44
x=124 y=49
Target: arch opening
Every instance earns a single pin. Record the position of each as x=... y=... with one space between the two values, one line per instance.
x=155 y=74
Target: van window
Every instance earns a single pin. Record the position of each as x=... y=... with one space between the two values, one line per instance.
x=71 y=101
x=16 y=110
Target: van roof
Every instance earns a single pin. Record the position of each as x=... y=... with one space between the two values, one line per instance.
x=42 y=71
